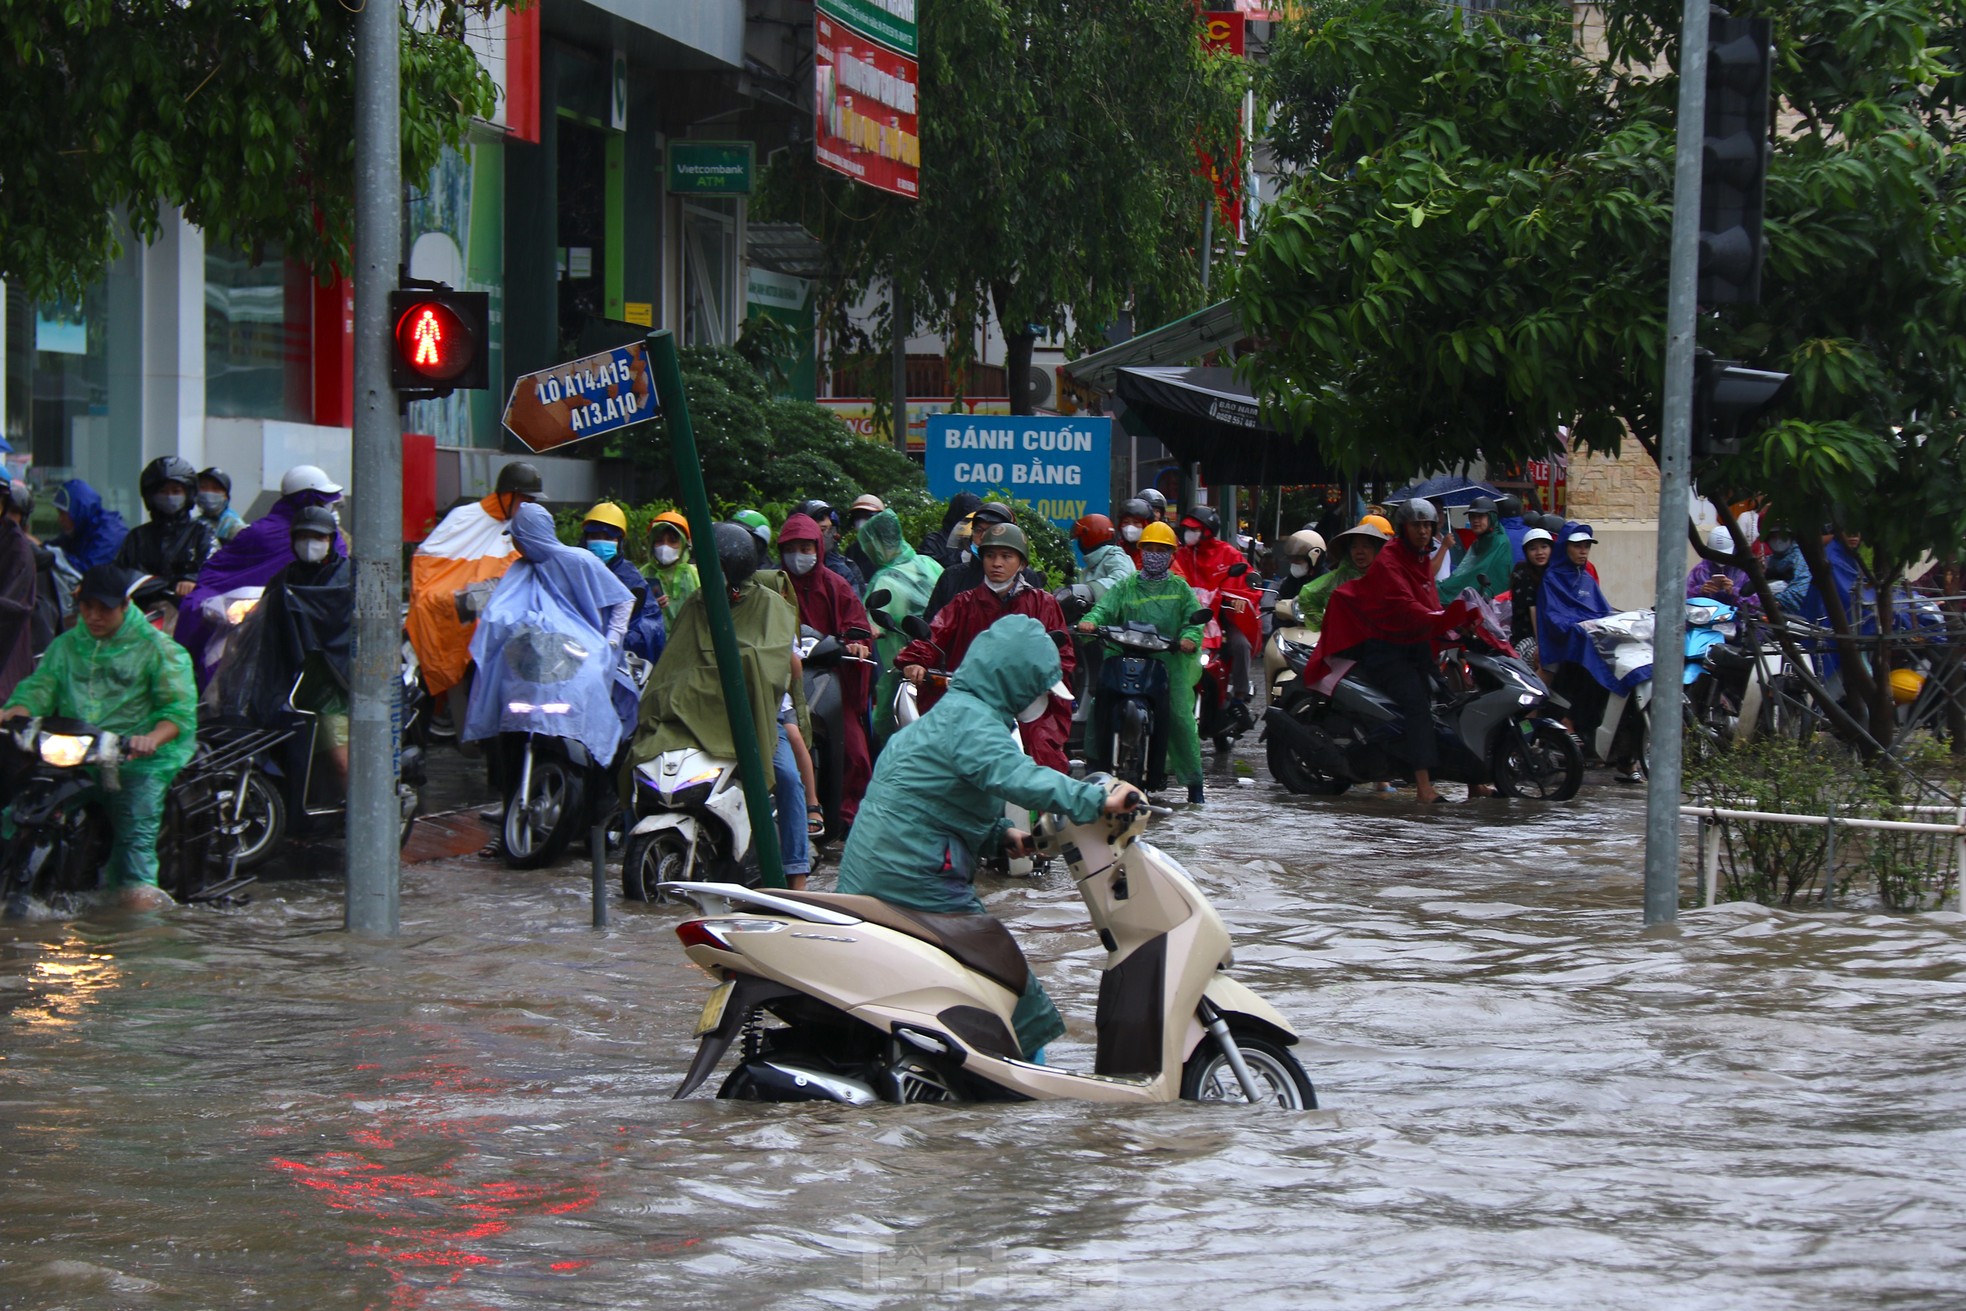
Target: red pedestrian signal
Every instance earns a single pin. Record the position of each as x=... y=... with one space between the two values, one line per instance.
x=440 y=338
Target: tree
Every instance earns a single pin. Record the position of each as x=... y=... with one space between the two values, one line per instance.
x=1059 y=179
x=239 y=111
x=1477 y=254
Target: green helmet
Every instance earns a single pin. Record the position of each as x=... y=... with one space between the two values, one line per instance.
x=1005 y=534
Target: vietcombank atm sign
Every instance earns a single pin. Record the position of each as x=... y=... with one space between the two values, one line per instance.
x=866 y=81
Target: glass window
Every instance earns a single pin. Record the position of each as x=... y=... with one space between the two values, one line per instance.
x=259 y=337
x=57 y=379
x=710 y=273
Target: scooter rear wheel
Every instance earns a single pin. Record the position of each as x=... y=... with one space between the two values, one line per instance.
x=1290 y=768
x=1208 y=1077
x=652 y=859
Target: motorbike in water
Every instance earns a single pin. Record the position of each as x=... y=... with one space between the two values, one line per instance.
x=1222 y=716
x=690 y=818
x=821 y=658
x=1133 y=701
x=552 y=781
x=1488 y=723
x=878 y=1003
x=1720 y=704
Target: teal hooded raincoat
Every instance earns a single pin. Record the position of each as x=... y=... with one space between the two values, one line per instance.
x=936 y=801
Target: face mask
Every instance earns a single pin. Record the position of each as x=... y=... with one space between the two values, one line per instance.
x=1298 y=568
x=1779 y=544
x=310 y=550
x=668 y=555
x=1131 y=532
x=801 y=562
x=999 y=588
x=602 y=547
x=964 y=555
x=1154 y=561
x=167 y=504
x=213 y=503
x=1190 y=536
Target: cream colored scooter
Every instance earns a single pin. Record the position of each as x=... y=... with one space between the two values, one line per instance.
x=878 y=1003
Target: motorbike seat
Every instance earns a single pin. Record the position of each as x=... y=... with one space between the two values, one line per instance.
x=979 y=942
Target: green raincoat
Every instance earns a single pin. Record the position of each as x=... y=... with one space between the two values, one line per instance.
x=127 y=684
x=936 y=802
x=908 y=577
x=1105 y=566
x=1486 y=567
x=683 y=704
x=1168 y=605
x=1316 y=594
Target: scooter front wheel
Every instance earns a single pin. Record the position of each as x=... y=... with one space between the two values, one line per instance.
x=539 y=825
x=1547 y=764
x=1208 y=1077
x=653 y=859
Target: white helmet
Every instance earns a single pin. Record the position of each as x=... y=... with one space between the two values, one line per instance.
x=307 y=478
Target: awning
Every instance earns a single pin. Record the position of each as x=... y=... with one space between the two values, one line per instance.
x=1206 y=417
x=785 y=248
x=1172 y=343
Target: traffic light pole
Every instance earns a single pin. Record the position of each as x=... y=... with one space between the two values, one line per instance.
x=375 y=685
x=1675 y=482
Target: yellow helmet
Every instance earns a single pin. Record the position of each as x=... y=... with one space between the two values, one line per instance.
x=609 y=513
x=675 y=520
x=1906 y=684
x=1380 y=522
x=1157 y=533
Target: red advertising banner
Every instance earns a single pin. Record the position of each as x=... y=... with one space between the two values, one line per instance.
x=867 y=115
x=1226 y=33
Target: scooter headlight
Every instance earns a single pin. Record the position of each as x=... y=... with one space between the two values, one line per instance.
x=64 y=750
x=236 y=612
x=1699 y=616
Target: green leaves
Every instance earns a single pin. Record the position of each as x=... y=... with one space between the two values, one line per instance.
x=240 y=112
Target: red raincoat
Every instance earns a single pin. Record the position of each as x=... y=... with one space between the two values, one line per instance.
x=827 y=605
x=1396 y=601
x=958 y=623
x=1206 y=567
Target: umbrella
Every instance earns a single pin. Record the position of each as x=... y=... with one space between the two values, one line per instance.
x=1448 y=489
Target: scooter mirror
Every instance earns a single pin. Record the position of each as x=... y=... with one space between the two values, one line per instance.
x=1201 y=616
x=879 y=598
x=1060 y=638
x=916 y=627
x=881 y=617
x=1238 y=570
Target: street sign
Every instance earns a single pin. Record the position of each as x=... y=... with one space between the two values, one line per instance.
x=1063 y=467
x=588 y=397
x=710 y=168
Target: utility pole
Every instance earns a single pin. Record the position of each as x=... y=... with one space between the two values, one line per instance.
x=375 y=684
x=1675 y=455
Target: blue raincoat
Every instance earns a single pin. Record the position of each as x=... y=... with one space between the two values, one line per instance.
x=98 y=531
x=1568 y=597
x=544 y=661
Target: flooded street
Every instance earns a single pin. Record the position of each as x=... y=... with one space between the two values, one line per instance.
x=1526 y=1104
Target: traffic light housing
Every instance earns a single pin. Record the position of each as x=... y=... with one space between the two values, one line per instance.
x=1734 y=163
x=440 y=341
x=1726 y=396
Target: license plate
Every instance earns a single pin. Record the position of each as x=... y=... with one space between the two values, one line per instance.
x=713 y=1009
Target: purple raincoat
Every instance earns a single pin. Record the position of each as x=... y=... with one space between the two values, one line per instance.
x=257 y=552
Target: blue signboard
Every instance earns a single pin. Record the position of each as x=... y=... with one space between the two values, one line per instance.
x=1063 y=467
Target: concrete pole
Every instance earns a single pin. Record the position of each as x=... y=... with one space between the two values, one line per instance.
x=1669 y=618
x=375 y=683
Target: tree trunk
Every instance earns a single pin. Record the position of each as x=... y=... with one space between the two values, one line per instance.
x=1018 y=345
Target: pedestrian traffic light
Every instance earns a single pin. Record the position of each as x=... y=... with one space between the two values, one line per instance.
x=439 y=341
x=1726 y=396
x=1734 y=159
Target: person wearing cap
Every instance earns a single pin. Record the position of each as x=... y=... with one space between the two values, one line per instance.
x=173 y=544
x=835 y=560
x=1356 y=548
x=215 y=504
x=302 y=624
x=670 y=566
x=1485 y=567
x=1787 y=572
x=252 y=558
x=939 y=545
x=1005 y=590
x=116 y=671
x=1568 y=598
x=864 y=507
x=1156 y=595
x=1525 y=581
x=1714 y=577
x=1105 y=563
x=967 y=574
x=907 y=577
x=604 y=532
x=935 y=807
x=831 y=608
x=19 y=589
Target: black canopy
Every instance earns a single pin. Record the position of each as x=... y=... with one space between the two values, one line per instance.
x=1206 y=417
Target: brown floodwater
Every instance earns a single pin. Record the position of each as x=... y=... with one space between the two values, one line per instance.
x=1526 y=1102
